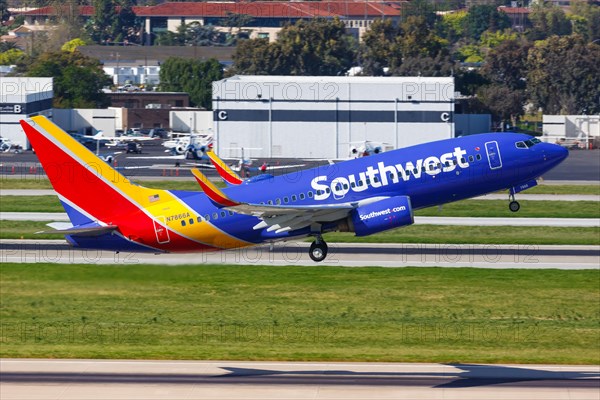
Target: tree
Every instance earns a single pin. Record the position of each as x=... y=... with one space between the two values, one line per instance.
x=505 y=103
x=11 y=56
x=564 y=75
x=418 y=40
x=192 y=76
x=72 y=45
x=193 y=34
x=426 y=65
x=380 y=48
x=315 y=47
x=4 y=14
x=481 y=18
x=237 y=22
x=548 y=20
x=506 y=64
x=452 y=25
x=585 y=18
x=420 y=8
x=78 y=79
x=103 y=20
x=107 y=25
x=259 y=57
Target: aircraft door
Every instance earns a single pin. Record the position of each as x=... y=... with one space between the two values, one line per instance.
x=493 y=154
x=162 y=233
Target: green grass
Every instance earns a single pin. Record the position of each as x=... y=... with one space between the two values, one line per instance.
x=300 y=313
x=525 y=235
x=30 y=204
x=191 y=184
x=529 y=209
x=465 y=208
x=565 y=189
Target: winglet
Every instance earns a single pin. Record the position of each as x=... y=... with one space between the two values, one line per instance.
x=214 y=193
x=223 y=169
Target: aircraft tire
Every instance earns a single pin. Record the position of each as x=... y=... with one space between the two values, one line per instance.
x=318 y=251
x=514 y=206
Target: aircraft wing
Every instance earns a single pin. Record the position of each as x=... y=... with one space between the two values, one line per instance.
x=283 y=218
x=276 y=218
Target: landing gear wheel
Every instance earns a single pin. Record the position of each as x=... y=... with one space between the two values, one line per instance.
x=318 y=251
x=514 y=206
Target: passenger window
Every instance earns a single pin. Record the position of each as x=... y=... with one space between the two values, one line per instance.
x=327 y=190
x=293 y=197
x=223 y=214
x=415 y=171
x=207 y=217
x=286 y=200
x=182 y=223
x=215 y=215
x=230 y=212
x=310 y=194
x=478 y=156
x=352 y=184
x=375 y=179
x=199 y=219
x=301 y=196
x=471 y=158
x=345 y=186
x=278 y=201
x=463 y=160
x=270 y=202
x=191 y=221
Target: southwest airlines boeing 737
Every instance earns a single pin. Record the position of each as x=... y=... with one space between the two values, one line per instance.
x=365 y=196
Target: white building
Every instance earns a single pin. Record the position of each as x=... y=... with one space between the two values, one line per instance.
x=572 y=130
x=191 y=121
x=140 y=75
x=320 y=117
x=89 y=121
x=22 y=98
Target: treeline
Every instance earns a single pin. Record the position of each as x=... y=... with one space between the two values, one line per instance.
x=553 y=65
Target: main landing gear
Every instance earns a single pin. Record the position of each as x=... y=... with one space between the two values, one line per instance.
x=514 y=205
x=318 y=249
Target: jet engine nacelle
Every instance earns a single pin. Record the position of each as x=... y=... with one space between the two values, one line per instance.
x=381 y=216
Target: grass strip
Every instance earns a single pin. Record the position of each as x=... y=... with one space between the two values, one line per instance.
x=465 y=208
x=524 y=235
x=300 y=313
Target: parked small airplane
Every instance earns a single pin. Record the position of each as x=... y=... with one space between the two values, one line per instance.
x=365 y=196
x=367 y=148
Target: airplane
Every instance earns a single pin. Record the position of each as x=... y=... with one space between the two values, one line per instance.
x=365 y=196
x=366 y=148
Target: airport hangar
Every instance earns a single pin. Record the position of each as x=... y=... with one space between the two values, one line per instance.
x=23 y=98
x=323 y=117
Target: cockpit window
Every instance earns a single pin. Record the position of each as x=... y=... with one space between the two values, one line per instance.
x=527 y=143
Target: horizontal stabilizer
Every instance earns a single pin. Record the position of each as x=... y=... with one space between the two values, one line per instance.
x=80 y=230
x=214 y=193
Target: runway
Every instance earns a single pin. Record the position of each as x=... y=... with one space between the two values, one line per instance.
x=113 y=379
x=340 y=254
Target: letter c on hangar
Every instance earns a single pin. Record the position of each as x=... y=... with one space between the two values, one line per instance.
x=222 y=115
x=445 y=116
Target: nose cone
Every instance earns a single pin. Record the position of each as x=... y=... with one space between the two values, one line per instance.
x=555 y=154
